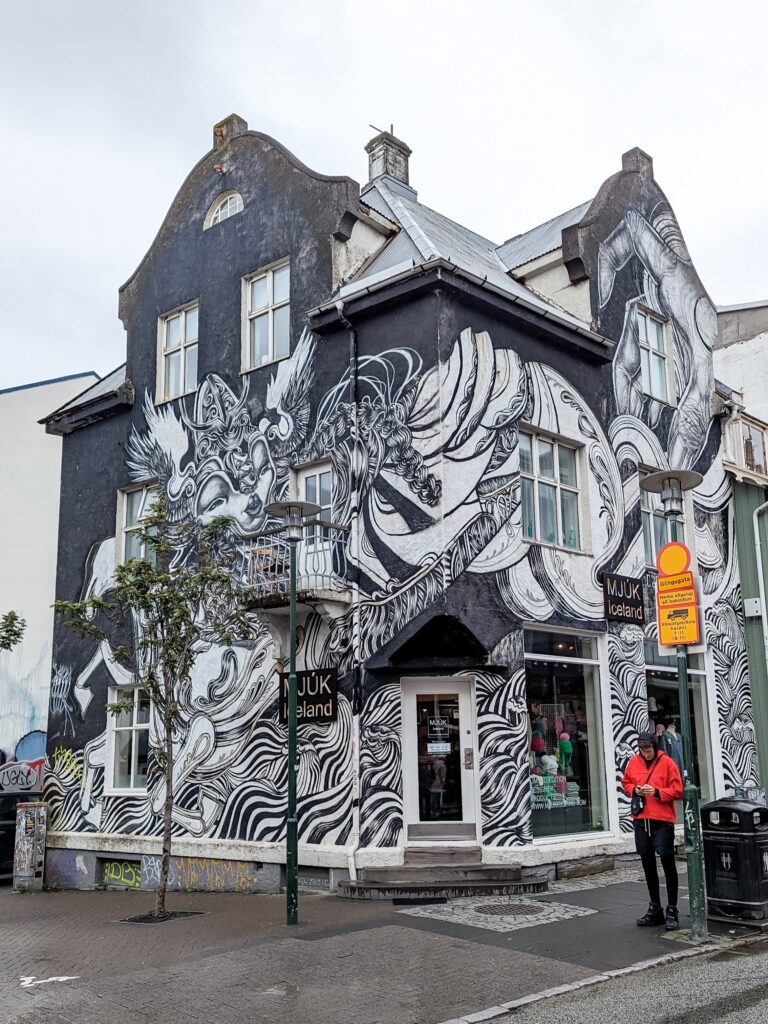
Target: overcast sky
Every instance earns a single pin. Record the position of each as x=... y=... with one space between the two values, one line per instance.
x=515 y=111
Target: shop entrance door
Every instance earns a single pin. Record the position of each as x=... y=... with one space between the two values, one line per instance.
x=439 y=760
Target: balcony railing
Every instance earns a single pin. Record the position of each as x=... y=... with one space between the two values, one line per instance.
x=321 y=564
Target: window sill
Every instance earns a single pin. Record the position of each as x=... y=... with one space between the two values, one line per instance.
x=184 y=394
x=558 y=547
x=125 y=792
x=263 y=366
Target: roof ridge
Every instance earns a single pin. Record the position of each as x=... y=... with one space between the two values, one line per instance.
x=544 y=223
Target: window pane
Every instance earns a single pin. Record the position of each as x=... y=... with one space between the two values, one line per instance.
x=258 y=294
x=142 y=708
x=648 y=539
x=325 y=489
x=567 y=458
x=641 y=327
x=141 y=749
x=657 y=335
x=282 y=331
x=526 y=456
x=547 y=514
x=122 y=769
x=569 y=507
x=546 y=459
x=173 y=332
x=260 y=340
x=562 y=645
x=528 y=514
x=133 y=503
x=190 y=327
x=658 y=377
x=645 y=373
x=132 y=546
x=659 y=535
x=173 y=375
x=190 y=382
x=310 y=488
x=754 y=448
x=281 y=280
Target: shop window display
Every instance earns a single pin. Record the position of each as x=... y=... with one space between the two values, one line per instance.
x=565 y=739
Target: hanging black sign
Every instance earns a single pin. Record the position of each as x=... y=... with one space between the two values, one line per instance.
x=317 y=695
x=623 y=599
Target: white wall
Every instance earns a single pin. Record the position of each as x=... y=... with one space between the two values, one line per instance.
x=30 y=467
x=743 y=366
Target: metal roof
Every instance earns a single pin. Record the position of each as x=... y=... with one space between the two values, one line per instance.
x=102 y=387
x=539 y=240
x=431 y=236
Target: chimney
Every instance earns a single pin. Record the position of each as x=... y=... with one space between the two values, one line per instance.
x=227 y=129
x=388 y=160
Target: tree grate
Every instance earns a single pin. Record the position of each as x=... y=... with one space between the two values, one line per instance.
x=510 y=909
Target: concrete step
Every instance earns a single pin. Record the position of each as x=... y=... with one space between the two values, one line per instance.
x=416 y=892
x=437 y=874
x=443 y=854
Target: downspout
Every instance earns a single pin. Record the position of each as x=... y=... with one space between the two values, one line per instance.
x=760 y=577
x=354 y=544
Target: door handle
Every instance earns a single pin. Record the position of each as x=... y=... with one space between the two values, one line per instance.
x=469 y=757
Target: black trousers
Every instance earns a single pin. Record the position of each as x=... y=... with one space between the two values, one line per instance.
x=657 y=837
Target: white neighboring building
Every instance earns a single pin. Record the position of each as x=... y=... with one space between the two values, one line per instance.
x=741 y=353
x=30 y=467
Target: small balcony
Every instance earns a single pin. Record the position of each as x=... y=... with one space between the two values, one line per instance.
x=321 y=568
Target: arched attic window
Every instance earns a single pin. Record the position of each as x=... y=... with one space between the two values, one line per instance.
x=223 y=206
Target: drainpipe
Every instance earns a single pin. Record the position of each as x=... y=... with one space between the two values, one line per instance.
x=760 y=576
x=354 y=543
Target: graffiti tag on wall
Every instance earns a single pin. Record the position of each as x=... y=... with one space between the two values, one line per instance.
x=21 y=776
x=122 y=872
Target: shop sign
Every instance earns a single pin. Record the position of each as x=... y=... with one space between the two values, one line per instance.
x=623 y=599
x=676 y=607
x=437 y=726
x=317 y=695
x=438 y=748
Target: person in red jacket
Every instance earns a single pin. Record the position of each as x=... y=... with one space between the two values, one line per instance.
x=654 y=778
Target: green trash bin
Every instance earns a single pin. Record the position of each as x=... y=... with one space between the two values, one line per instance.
x=735 y=836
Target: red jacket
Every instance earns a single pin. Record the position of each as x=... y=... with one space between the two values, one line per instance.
x=664 y=777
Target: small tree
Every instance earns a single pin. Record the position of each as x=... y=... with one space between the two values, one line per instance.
x=175 y=603
x=11 y=630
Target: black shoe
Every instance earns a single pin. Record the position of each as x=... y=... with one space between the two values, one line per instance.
x=672 y=921
x=654 y=915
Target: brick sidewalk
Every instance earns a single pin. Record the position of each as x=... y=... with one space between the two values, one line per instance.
x=346 y=962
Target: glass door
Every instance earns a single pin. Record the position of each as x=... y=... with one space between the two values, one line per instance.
x=439 y=759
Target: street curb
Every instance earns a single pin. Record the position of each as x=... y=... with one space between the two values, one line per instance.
x=596 y=979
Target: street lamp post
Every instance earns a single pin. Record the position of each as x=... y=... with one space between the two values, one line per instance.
x=670 y=486
x=293 y=514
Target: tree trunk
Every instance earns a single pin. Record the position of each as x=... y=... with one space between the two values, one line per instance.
x=162 y=884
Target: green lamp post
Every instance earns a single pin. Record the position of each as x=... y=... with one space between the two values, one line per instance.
x=293 y=515
x=670 y=484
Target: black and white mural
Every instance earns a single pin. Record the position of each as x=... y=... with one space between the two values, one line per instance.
x=426 y=463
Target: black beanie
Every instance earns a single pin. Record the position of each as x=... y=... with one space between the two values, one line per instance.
x=648 y=737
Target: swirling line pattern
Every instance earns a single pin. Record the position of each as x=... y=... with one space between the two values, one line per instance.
x=629 y=702
x=502 y=726
x=381 y=775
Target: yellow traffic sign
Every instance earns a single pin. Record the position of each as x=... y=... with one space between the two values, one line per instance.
x=678 y=625
x=673 y=558
x=676 y=598
x=682 y=581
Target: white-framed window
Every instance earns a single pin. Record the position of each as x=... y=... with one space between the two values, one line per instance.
x=267 y=316
x=753 y=442
x=136 y=505
x=129 y=739
x=316 y=485
x=657 y=528
x=222 y=208
x=177 y=353
x=549 y=491
x=653 y=355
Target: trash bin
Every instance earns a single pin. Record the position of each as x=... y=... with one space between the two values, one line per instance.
x=736 y=859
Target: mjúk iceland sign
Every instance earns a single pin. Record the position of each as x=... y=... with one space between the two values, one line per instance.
x=623 y=599
x=317 y=693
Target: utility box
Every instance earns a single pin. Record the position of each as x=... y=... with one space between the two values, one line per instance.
x=29 y=850
x=736 y=859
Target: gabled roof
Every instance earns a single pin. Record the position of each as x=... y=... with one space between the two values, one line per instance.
x=426 y=235
x=540 y=240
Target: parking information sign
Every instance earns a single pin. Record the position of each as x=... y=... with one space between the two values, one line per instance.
x=678 y=613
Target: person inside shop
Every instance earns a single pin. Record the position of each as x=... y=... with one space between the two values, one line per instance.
x=653 y=783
